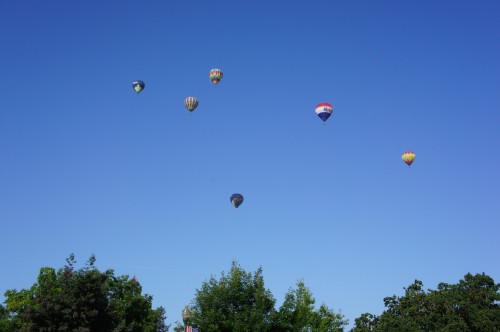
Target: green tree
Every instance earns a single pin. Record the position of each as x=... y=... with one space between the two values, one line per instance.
x=81 y=300
x=469 y=306
x=18 y=304
x=326 y=320
x=238 y=301
x=5 y=322
x=365 y=323
x=179 y=327
x=298 y=313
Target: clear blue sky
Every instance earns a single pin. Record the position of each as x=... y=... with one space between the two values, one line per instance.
x=87 y=166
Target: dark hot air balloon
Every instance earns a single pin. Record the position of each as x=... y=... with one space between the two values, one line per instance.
x=236 y=200
x=138 y=86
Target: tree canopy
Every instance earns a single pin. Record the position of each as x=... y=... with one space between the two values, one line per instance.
x=472 y=305
x=86 y=299
x=298 y=313
x=82 y=300
x=239 y=301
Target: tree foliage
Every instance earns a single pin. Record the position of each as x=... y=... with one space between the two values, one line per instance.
x=81 y=300
x=471 y=305
x=239 y=301
x=298 y=313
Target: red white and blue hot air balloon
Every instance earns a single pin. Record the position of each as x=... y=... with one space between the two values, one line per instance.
x=324 y=110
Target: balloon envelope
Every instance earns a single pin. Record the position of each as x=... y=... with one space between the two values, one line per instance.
x=138 y=86
x=324 y=110
x=409 y=157
x=191 y=103
x=236 y=200
x=215 y=75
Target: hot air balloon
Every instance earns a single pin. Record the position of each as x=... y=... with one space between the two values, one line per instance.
x=324 y=110
x=191 y=103
x=215 y=75
x=138 y=86
x=236 y=200
x=409 y=157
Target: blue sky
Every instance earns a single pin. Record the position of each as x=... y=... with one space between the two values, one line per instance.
x=87 y=166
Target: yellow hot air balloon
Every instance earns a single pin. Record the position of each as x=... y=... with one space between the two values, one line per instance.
x=409 y=157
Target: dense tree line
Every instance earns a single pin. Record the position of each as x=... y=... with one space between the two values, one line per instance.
x=472 y=305
x=83 y=300
x=239 y=301
x=87 y=299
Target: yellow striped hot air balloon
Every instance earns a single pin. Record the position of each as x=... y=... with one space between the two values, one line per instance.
x=409 y=157
x=191 y=103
